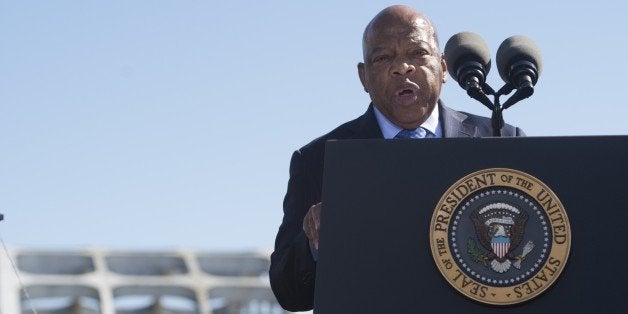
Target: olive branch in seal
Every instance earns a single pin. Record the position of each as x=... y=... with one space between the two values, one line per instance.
x=476 y=253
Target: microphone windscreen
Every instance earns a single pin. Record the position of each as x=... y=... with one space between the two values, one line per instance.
x=466 y=46
x=517 y=48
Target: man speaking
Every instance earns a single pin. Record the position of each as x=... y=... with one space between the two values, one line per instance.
x=403 y=71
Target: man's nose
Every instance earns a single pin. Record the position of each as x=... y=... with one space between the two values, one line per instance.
x=403 y=68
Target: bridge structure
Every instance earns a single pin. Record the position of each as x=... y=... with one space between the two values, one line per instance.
x=125 y=282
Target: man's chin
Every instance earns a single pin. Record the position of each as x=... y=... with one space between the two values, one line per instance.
x=410 y=123
x=412 y=119
x=406 y=101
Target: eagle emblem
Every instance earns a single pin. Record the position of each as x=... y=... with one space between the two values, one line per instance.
x=499 y=227
x=500 y=236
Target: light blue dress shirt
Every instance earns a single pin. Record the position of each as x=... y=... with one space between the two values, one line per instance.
x=390 y=130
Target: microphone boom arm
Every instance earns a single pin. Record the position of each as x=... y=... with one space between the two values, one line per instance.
x=480 y=94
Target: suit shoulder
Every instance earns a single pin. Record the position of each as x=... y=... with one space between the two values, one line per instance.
x=485 y=128
x=344 y=131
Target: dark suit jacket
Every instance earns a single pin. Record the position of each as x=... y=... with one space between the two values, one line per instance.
x=292 y=269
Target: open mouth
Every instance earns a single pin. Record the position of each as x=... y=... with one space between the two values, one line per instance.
x=405 y=92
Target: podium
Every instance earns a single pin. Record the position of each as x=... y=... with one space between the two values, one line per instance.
x=380 y=198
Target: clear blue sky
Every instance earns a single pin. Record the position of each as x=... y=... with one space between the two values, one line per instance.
x=170 y=124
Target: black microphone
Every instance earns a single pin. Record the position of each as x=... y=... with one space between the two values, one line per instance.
x=519 y=63
x=468 y=59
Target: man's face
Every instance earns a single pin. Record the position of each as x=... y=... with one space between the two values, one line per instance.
x=403 y=71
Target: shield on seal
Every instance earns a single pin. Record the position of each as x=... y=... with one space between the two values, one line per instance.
x=500 y=246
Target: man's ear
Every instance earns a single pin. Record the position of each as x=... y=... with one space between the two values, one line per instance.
x=443 y=65
x=362 y=75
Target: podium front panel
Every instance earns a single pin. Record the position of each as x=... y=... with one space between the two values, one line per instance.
x=379 y=197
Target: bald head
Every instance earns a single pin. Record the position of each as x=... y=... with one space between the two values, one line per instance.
x=399 y=17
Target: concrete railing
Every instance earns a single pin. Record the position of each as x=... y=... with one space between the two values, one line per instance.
x=108 y=282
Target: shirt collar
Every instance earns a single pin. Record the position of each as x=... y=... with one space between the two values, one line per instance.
x=390 y=130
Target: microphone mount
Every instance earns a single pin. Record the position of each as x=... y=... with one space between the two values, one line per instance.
x=470 y=73
x=479 y=92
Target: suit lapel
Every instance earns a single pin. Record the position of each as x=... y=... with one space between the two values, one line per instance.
x=367 y=126
x=454 y=123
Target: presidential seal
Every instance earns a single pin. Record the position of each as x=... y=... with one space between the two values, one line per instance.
x=500 y=236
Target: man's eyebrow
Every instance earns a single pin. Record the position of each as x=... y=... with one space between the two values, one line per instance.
x=419 y=41
x=376 y=49
x=433 y=46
